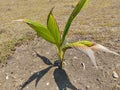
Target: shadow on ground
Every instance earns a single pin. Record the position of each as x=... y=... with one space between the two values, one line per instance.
x=60 y=76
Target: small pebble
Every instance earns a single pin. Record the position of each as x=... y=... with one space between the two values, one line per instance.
x=7 y=77
x=75 y=81
x=47 y=83
x=75 y=57
x=87 y=87
x=115 y=75
x=27 y=87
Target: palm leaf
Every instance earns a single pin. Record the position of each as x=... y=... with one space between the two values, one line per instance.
x=82 y=46
x=89 y=53
x=41 y=30
x=102 y=48
x=77 y=9
x=87 y=47
x=53 y=28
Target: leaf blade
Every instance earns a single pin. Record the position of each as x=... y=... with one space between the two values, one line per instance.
x=88 y=47
x=82 y=46
x=53 y=28
x=103 y=48
x=41 y=30
x=89 y=53
x=77 y=9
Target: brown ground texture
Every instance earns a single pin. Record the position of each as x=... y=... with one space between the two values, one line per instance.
x=30 y=59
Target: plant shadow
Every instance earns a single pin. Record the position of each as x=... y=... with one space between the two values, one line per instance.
x=60 y=76
x=62 y=80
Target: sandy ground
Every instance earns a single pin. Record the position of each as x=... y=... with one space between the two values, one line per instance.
x=31 y=65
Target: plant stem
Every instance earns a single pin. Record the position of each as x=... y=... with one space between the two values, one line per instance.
x=61 y=57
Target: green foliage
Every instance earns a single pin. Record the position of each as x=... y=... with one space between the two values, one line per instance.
x=87 y=43
x=77 y=9
x=51 y=34
x=41 y=30
x=53 y=28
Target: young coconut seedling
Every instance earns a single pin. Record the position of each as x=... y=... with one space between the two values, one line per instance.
x=51 y=33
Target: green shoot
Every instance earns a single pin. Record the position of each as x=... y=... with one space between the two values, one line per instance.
x=54 y=29
x=77 y=9
x=51 y=34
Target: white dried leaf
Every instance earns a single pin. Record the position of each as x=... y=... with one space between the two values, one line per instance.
x=102 y=48
x=18 y=20
x=89 y=53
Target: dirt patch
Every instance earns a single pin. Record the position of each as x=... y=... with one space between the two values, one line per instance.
x=99 y=22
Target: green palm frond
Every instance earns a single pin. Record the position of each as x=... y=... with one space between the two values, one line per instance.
x=53 y=28
x=41 y=30
x=76 y=10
